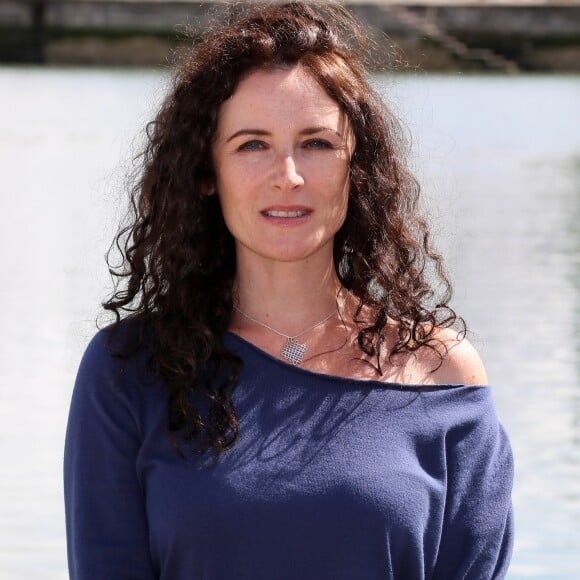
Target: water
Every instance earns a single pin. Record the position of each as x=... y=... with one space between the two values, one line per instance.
x=499 y=160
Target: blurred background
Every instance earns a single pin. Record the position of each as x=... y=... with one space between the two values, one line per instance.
x=489 y=93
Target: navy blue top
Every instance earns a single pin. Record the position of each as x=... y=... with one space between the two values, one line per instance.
x=331 y=479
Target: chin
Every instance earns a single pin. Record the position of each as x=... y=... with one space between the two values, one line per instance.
x=285 y=253
x=289 y=255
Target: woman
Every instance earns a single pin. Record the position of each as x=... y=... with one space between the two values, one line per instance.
x=287 y=398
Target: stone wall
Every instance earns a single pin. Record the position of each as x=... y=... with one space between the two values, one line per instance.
x=536 y=37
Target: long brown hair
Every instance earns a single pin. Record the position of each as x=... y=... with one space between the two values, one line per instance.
x=179 y=258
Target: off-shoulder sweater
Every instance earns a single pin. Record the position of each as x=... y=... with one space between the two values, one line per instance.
x=331 y=479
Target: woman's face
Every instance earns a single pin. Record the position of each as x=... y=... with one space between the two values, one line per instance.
x=281 y=156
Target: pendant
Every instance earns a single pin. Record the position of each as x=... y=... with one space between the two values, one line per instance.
x=293 y=351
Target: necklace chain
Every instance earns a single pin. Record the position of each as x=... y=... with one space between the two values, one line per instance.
x=292 y=351
x=287 y=336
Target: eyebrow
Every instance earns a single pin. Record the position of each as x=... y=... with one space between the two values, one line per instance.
x=307 y=131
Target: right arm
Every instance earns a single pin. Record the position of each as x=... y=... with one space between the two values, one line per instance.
x=106 y=521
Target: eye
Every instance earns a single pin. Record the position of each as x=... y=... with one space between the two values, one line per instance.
x=252 y=145
x=318 y=144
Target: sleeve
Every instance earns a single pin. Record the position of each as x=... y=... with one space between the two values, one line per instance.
x=477 y=536
x=106 y=523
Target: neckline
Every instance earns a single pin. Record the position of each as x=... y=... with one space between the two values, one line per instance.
x=369 y=383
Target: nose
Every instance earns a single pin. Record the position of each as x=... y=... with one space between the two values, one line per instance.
x=286 y=174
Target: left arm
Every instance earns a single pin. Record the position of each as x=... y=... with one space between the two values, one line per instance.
x=477 y=536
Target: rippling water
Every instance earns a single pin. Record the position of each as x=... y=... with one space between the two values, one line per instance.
x=499 y=160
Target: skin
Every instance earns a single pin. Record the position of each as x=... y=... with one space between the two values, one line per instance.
x=281 y=155
x=282 y=167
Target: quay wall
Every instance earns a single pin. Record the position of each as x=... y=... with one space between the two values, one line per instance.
x=541 y=36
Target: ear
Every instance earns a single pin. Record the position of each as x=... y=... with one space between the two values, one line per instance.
x=208 y=187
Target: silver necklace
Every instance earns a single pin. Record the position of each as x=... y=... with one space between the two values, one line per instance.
x=292 y=351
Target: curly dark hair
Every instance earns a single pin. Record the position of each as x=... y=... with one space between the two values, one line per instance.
x=179 y=260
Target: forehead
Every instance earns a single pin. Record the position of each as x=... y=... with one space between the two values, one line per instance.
x=290 y=94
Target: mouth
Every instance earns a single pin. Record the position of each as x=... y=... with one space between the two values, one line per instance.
x=285 y=214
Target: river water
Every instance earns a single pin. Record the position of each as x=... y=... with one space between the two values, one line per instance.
x=499 y=161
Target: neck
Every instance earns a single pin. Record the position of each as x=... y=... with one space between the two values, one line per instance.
x=287 y=296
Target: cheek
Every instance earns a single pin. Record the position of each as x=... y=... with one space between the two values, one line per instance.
x=238 y=178
x=344 y=202
x=341 y=187
x=337 y=202
x=235 y=194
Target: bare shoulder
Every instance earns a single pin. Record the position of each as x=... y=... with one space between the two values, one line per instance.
x=462 y=364
x=450 y=359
